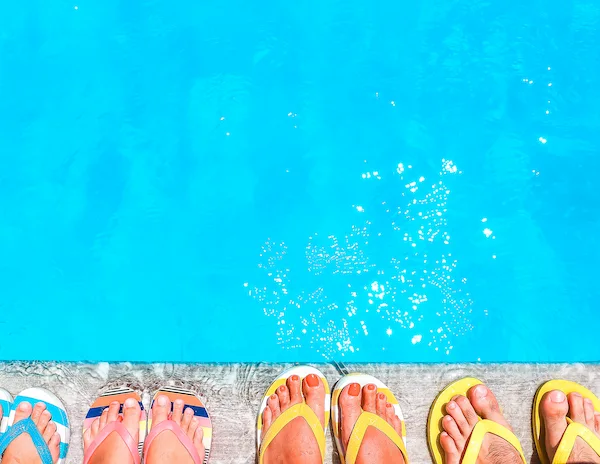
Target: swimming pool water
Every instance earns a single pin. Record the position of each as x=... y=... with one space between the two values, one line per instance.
x=299 y=181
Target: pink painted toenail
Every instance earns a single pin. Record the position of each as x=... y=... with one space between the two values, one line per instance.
x=295 y=378
x=162 y=400
x=557 y=396
x=481 y=391
x=130 y=403
x=354 y=389
x=312 y=380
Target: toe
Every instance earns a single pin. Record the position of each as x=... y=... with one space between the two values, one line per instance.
x=467 y=409
x=588 y=409
x=295 y=388
x=597 y=422
x=267 y=420
x=450 y=450
x=273 y=404
x=113 y=412
x=161 y=409
x=389 y=413
x=350 y=410
x=314 y=392
x=54 y=446
x=284 y=397
x=454 y=410
x=23 y=411
x=103 y=418
x=486 y=405
x=380 y=404
x=44 y=420
x=177 y=413
x=576 y=411
x=49 y=431
x=553 y=409
x=87 y=438
x=397 y=425
x=369 y=398
x=198 y=436
x=38 y=409
x=131 y=417
x=192 y=428
x=95 y=428
x=188 y=415
x=451 y=428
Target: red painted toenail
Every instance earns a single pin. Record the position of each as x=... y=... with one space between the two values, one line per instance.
x=388 y=405
x=295 y=378
x=371 y=387
x=282 y=388
x=273 y=397
x=312 y=380
x=381 y=396
x=354 y=389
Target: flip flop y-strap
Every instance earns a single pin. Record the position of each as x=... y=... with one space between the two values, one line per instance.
x=27 y=426
x=481 y=429
x=182 y=437
x=120 y=429
x=567 y=444
x=298 y=410
x=366 y=420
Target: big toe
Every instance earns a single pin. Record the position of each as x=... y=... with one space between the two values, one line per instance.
x=350 y=410
x=553 y=409
x=314 y=392
x=131 y=416
x=161 y=409
x=486 y=405
x=23 y=411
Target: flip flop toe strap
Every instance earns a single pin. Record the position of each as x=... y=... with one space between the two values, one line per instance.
x=366 y=420
x=298 y=410
x=120 y=429
x=566 y=445
x=482 y=428
x=182 y=437
x=27 y=426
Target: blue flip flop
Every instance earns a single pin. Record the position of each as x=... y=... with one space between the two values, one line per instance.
x=6 y=401
x=59 y=417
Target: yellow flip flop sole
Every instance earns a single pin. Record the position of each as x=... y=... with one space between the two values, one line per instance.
x=483 y=427
x=574 y=430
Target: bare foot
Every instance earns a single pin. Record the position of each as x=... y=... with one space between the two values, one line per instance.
x=296 y=443
x=555 y=408
x=113 y=449
x=376 y=446
x=22 y=450
x=166 y=447
x=460 y=421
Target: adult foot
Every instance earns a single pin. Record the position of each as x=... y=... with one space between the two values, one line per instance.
x=22 y=450
x=555 y=408
x=166 y=447
x=462 y=415
x=376 y=446
x=296 y=442
x=113 y=449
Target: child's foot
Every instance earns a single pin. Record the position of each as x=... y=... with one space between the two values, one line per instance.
x=22 y=450
x=113 y=449
x=376 y=447
x=460 y=421
x=166 y=447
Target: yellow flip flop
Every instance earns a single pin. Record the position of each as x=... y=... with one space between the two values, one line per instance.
x=574 y=429
x=366 y=419
x=298 y=410
x=483 y=427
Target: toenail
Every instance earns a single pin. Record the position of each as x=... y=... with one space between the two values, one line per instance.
x=130 y=403
x=557 y=396
x=162 y=400
x=194 y=421
x=388 y=405
x=23 y=406
x=282 y=389
x=312 y=380
x=273 y=397
x=444 y=434
x=481 y=391
x=448 y=418
x=451 y=405
x=381 y=396
x=188 y=411
x=354 y=389
x=295 y=378
x=576 y=395
x=588 y=401
x=371 y=387
x=179 y=402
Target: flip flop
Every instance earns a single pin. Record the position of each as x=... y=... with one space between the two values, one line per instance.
x=574 y=429
x=6 y=401
x=102 y=402
x=483 y=427
x=192 y=401
x=366 y=419
x=59 y=416
x=298 y=410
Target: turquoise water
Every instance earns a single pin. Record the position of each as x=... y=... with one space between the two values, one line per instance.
x=299 y=181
